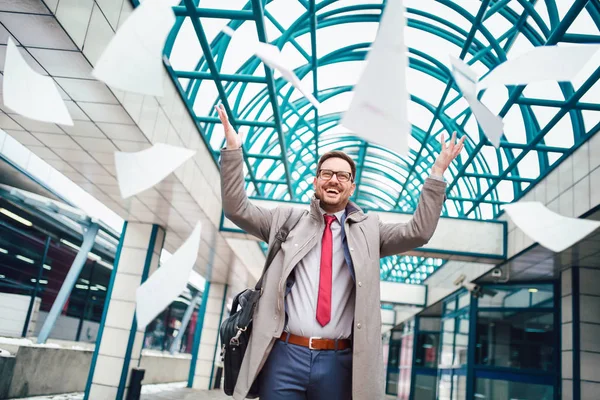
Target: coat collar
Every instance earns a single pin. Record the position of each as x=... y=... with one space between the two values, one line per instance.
x=353 y=212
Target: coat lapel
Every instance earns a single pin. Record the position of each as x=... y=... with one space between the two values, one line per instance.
x=306 y=236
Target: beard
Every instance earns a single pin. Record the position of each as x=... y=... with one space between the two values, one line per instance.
x=340 y=198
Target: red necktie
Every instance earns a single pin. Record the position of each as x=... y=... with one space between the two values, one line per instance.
x=324 y=300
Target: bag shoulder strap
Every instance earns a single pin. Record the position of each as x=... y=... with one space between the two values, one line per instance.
x=280 y=237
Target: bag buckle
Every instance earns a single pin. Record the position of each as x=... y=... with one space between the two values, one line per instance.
x=310 y=340
x=235 y=341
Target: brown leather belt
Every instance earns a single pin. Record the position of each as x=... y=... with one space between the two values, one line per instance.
x=316 y=343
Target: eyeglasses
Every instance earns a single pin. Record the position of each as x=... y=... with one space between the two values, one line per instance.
x=327 y=174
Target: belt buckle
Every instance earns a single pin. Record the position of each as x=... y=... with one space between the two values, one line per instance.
x=310 y=346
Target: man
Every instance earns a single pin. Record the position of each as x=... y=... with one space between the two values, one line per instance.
x=317 y=328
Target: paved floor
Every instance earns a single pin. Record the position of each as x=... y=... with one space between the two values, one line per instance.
x=176 y=391
x=190 y=394
x=160 y=392
x=186 y=394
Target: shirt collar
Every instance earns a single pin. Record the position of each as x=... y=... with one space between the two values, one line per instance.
x=338 y=215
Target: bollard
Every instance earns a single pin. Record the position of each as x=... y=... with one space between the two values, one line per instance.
x=218 y=377
x=135 y=384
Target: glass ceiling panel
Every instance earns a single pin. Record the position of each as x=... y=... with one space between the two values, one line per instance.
x=543 y=122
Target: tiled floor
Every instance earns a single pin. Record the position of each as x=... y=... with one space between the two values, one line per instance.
x=190 y=394
x=186 y=394
x=161 y=392
x=170 y=391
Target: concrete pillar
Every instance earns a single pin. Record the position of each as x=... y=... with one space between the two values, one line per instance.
x=207 y=347
x=580 y=324
x=119 y=343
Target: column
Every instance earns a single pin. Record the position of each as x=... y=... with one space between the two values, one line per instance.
x=119 y=342
x=580 y=333
x=567 y=323
x=206 y=351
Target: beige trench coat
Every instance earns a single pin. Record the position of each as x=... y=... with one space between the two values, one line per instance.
x=368 y=240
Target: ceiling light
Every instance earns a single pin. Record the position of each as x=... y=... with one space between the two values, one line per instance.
x=69 y=244
x=33 y=280
x=104 y=263
x=43 y=281
x=2 y=276
x=23 y=258
x=15 y=217
x=82 y=286
x=94 y=257
x=46 y=266
x=84 y=280
x=533 y=290
x=100 y=287
x=94 y=289
x=3 y=250
x=180 y=300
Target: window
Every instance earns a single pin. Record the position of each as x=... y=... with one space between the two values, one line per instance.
x=425 y=387
x=519 y=296
x=427 y=350
x=30 y=280
x=447 y=352
x=516 y=339
x=452 y=385
x=406 y=358
x=164 y=329
x=500 y=389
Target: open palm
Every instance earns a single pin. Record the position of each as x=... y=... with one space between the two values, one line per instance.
x=234 y=141
x=449 y=152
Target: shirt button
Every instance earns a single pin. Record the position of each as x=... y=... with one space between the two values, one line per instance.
x=275 y=317
x=351 y=248
x=296 y=245
x=358 y=325
x=359 y=284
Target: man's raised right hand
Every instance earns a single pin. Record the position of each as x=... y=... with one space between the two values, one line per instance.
x=234 y=141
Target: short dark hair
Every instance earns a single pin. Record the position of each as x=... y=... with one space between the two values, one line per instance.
x=337 y=154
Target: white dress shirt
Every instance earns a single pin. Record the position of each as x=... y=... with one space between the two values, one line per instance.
x=302 y=299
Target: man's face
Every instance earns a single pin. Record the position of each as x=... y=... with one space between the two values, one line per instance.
x=334 y=193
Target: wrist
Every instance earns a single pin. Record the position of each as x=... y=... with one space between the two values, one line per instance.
x=435 y=170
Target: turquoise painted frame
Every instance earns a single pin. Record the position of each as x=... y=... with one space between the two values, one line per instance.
x=474 y=184
x=198 y=334
x=212 y=370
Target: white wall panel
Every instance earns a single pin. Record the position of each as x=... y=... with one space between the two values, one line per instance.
x=388 y=317
x=402 y=293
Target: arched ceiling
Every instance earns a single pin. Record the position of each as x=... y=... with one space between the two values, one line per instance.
x=327 y=42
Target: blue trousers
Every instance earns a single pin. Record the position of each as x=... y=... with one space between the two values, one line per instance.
x=297 y=373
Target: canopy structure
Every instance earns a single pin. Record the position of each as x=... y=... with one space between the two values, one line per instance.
x=327 y=42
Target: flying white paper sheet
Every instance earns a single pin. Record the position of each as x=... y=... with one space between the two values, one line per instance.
x=271 y=56
x=544 y=63
x=548 y=228
x=168 y=281
x=379 y=109
x=132 y=61
x=139 y=171
x=30 y=94
x=466 y=80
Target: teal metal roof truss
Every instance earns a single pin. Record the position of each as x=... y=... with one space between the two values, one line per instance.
x=327 y=42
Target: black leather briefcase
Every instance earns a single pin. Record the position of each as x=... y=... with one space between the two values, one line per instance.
x=236 y=329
